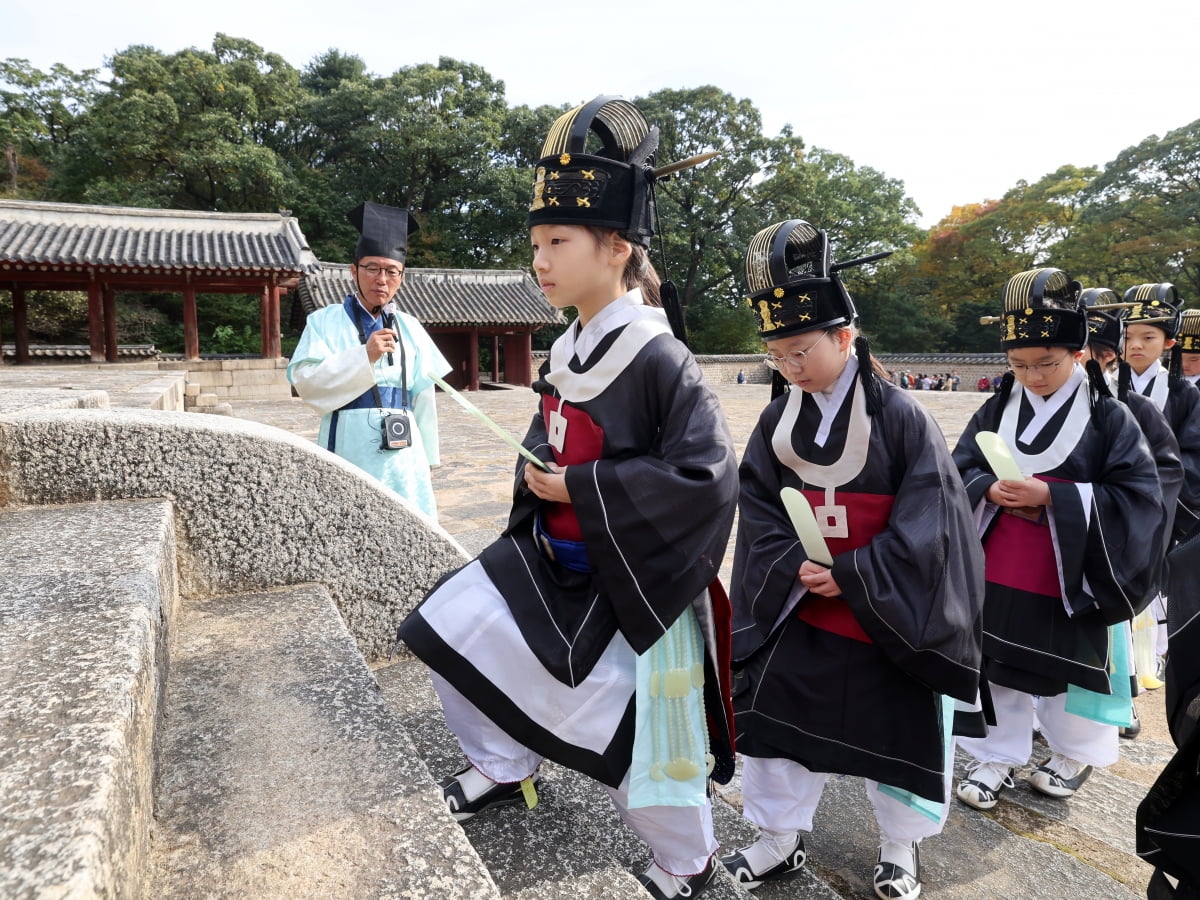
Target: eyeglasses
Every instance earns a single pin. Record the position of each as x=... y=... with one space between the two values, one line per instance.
x=390 y=271
x=1048 y=368
x=794 y=358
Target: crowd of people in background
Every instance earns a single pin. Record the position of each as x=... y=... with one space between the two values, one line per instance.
x=920 y=381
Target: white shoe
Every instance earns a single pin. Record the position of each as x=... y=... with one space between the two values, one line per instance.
x=898 y=872
x=983 y=784
x=1059 y=776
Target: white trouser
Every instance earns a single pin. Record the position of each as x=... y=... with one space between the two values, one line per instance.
x=1010 y=740
x=1159 y=605
x=680 y=837
x=781 y=796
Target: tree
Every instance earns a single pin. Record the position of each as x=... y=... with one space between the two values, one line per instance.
x=1144 y=212
x=193 y=130
x=39 y=112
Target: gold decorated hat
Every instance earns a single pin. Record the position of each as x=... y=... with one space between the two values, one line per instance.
x=1104 y=325
x=1189 y=331
x=793 y=283
x=1153 y=304
x=1042 y=308
x=596 y=168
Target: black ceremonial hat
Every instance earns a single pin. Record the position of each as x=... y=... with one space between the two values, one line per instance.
x=1153 y=304
x=612 y=185
x=793 y=288
x=1042 y=309
x=1104 y=327
x=383 y=230
x=1189 y=331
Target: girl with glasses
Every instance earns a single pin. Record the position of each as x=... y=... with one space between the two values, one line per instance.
x=844 y=662
x=1073 y=547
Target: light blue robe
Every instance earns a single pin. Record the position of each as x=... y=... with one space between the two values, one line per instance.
x=330 y=369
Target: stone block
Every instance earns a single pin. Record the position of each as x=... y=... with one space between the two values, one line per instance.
x=210 y=378
x=206 y=400
x=86 y=619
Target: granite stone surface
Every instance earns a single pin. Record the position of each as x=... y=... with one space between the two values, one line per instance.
x=87 y=593
x=255 y=506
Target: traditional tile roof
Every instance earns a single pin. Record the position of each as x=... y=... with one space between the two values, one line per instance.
x=447 y=297
x=150 y=240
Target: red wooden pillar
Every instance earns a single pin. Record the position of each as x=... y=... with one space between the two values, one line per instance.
x=264 y=322
x=191 y=324
x=276 y=337
x=473 y=361
x=96 y=321
x=518 y=359
x=495 y=359
x=109 y=303
x=20 y=324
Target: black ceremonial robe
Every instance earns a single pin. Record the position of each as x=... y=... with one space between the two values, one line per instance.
x=1053 y=586
x=1179 y=401
x=851 y=685
x=1168 y=819
x=653 y=483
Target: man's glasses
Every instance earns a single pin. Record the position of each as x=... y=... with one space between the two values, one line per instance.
x=390 y=271
x=1048 y=368
x=794 y=358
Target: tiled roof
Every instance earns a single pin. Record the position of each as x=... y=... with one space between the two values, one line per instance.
x=154 y=240
x=950 y=359
x=447 y=297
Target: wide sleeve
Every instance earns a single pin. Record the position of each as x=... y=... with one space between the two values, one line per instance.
x=1109 y=531
x=973 y=469
x=767 y=555
x=1185 y=420
x=656 y=524
x=329 y=372
x=917 y=587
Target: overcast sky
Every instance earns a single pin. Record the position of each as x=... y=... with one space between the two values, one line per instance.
x=957 y=99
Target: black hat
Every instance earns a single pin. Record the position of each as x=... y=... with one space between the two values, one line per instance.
x=1104 y=327
x=1154 y=304
x=1042 y=309
x=383 y=231
x=1189 y=331
x=793 y=288
x=611 y=187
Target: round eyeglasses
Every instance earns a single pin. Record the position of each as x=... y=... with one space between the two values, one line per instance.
x=794 y=358
x=1048 y=368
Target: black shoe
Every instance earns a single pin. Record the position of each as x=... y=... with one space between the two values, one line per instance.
x=739 y=867
x=1133 y=729
x=497 y=795
x=894 y=882
x=693 y=885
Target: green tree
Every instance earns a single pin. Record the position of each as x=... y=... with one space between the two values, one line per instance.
x=193 y=130
x=39 y=113
x=1142 y=220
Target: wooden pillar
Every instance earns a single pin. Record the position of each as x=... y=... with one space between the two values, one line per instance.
x=109 y=303
x=96 y=321
x=20 y=324
x=518 y=359
x=191 y=324
x=264 y=322
x=473 y=361
x=275 y=325
x=495 y=359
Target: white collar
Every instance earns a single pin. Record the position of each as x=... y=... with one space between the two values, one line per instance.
x=621 y=311
x=1044 y=408
x=1139 y=382
x=830 y=400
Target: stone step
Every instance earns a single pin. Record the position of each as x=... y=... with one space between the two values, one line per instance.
x=87 y=600
x=571 y=845
x=283 y=771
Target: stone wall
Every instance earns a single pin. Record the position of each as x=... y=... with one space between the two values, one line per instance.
x=212 y=382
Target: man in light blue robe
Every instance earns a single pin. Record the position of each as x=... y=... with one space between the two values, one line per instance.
x=364 y=361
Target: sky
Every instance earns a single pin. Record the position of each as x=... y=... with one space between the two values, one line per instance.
x=959 y=100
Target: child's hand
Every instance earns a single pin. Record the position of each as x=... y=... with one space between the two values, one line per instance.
x=1029 y=492
x=551 y=485
x=818 y=579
